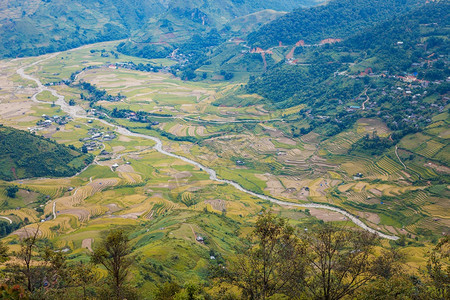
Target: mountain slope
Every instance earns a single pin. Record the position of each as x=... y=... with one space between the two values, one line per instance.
x=33 y=27
x=24 y=155
x=337 y=19
x=398 y=67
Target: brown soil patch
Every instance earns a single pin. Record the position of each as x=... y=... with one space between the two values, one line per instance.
x=113 y=207
x=376 y=192
x=134 y=215
x=217 y=204
x=27 y=196
x=87 y=244
x=81 y=214
x=125 y=168
x=118 y=148
x=25 y=232
x=371 y=217
x=181 y=175
x=327 y=216
x=438 y=168
x=124 y=139
x=14 y=109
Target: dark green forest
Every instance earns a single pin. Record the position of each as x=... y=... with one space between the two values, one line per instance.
x=25 y=155
x=338 y=19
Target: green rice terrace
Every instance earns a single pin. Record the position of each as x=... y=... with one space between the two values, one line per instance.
x=166 y=202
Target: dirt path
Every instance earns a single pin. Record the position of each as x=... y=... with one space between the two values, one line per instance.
x=54 y=209
x=263 y=55
x=396 y=153
x=367 y=100
x=6 y=218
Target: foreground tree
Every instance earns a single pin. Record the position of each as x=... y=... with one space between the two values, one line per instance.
x=339 y=261
x=4 y=254
x=391 y=282
x=438 y=270
x=28 y=245
x=84 y=277
x=271 y=263
x=114 y=254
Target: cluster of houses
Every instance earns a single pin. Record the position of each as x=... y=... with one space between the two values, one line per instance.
x=93 y=141
x=179 y=57
x=140 y=67
x=47 y=121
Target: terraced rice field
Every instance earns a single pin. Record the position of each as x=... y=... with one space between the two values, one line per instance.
x=22 y=213
x=429 y=149
x=341 y=143
x=53 y=191
x=160 y=208
x=390 y=166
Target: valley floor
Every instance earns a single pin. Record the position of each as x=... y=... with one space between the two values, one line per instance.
x=175 y=175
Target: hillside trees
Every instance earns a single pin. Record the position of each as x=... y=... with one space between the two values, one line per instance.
x=24 y=155
x=114 y=255
x=271 y=263
x=326 y=262
x=4 y=255
x=84 y=277
x=438 y=270
x=338 y=261
x=27 y=247
x=337 y=19
x=11 y=191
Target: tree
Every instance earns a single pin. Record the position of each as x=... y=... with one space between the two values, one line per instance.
x=27 y=247
x=438 y=269
x=12 y=190
x=4 y=256
x=167 y=291
x=114 y=254
x=191 y=291
x=54 y=273
x=391 y=282
x=339 y=261
x=272 y=261
x=83 y=276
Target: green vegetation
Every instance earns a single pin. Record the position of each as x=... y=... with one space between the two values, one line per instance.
x=337 y=19
x=358 y=126
x=25 y=155
x=36 y=28
x=335 y=92
x=271 y=259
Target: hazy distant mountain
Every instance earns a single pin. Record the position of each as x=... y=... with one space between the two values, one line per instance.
x=32 y=27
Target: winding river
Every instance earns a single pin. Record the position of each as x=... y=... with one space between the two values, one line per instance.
x=78 y=112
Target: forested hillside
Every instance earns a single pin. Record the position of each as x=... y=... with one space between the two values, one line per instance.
x=338 y=19
x=399 y=65
x=36 y=27
x=24 y=155
x=33 y=27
